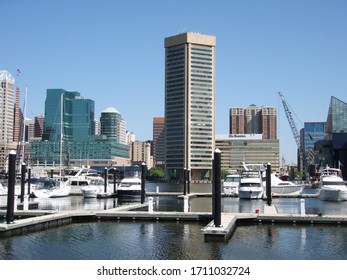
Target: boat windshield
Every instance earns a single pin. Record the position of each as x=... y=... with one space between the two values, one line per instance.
x=329 y=183
x=257 y=185
x=232 y=179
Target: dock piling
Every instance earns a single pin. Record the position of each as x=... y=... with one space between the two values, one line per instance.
x=105 y=181
x=186 y=204
x=143 y=182
x=268 y=184
x=150 y=205
x=22 y=182
x=11 y=187
x=217 y=188
x=29 y=179
x=302 y=207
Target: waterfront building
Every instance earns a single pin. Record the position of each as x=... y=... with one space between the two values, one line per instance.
x=249 y=148
x=189 y=105
x=158 y=145
x=141 y=152
x=80 y=145
x=78 y=116
x=7 y=104
x=311 y=133
x=254 y=120
x=336 y=134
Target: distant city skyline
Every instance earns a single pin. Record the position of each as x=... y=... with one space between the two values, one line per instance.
x=112 y=52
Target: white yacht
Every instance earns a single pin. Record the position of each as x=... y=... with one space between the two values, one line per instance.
x=251 y=185
x=278 y=186
x=332 y=186
x=93 y=187
x=129 y=187
x=50 y=188
x=231 y=184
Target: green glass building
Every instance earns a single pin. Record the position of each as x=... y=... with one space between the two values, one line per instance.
x=75 y=123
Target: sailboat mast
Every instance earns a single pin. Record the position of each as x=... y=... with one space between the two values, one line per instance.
x=61 y=132
x=24 y=113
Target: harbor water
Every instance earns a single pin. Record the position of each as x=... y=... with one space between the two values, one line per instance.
x=181 y=240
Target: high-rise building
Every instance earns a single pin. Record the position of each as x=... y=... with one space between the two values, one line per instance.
x=6 y=117
x=269 y=122
x=254 y=120
x=109 y=123
x=39 y=123
x=237 y=121
x=112 y=125
x=6 y=106
x=18 y=119
x=77 y=116
x=158 y=145
x=189 y=104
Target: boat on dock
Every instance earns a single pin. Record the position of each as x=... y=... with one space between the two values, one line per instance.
x=231 y=184
x=251 y=185
x=278 y=186
x=332 y=186
x=129 y=187
x=51 y=188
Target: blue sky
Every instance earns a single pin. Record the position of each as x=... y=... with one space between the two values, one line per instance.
x=112 y=51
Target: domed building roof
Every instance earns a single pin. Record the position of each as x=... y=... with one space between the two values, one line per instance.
x=110 y=110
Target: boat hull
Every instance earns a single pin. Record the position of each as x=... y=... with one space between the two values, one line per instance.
x=90 y=191
x=332 y=195
x=250 y=193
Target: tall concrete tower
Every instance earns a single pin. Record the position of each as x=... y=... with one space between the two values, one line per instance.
x=189 y=105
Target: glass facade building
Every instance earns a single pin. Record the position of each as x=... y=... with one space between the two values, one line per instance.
x=313 y=132
x=110 y=123
x=77 y=116
x=189 y=104
x=76 y=121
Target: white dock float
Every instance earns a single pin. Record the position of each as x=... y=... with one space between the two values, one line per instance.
x=227 y=227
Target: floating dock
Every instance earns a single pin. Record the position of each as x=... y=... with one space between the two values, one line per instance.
x=35 y=220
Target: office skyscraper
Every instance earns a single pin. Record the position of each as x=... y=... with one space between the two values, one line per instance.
x=78 y=116
x=6 y=117
x=158 y=145
x=189 y=104
x=6 y=106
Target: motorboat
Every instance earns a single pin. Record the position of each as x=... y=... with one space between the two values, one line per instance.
x=92 y=187
x=278 y=186
x=251 y=185
x=51 y=188
x=231 y=184
x=129 y=187
x=332 y=186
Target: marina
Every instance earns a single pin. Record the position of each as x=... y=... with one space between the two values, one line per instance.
x=169 y=210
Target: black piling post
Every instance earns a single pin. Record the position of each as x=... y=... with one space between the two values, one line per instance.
x=105 y=179
x=184 y=181
x=268 y=184
x=11 y=186
x=143 y=182
x=52 y=173
x=22 y=182
x=217 y=182
x=29 y=179
x=114 y=180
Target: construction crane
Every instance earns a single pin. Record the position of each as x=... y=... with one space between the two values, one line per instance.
x=290 y=120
